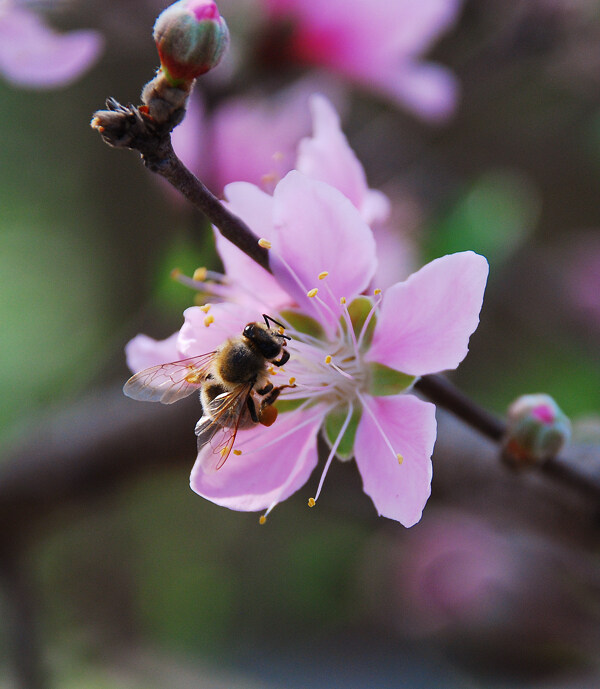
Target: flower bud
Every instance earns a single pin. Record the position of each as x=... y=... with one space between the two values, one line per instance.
x=537 y=430
x=191 y=38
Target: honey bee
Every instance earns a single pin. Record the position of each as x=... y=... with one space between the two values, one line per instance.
x=235 y=390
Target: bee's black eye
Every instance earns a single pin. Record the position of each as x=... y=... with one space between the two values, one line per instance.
x=249 y=331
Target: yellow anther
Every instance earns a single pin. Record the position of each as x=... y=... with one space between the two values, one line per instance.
x=400 y=458
x=208 y=320
x=262 y=519
x=199 y=274
x=311 y=502
x=377 y=291
x=328 y=359
x=281 y=330
x=205 y=308
x=323 y=275
x=292 y=381
x=265 y=243
x=269 y=177
x=223 y=451
x=271 y=371
x=343 y=301
x=237 y=452
x=312 y=293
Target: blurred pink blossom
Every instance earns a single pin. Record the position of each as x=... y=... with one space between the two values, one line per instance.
x=247 y=139
x=352 y=356
x=35 y=56
x=260 y=141
x=378 y=44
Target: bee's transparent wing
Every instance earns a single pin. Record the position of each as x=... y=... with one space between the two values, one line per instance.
x=220 y=426
x=168 y=383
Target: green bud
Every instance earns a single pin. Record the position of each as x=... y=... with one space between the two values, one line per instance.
x=191 y=38
x=537 y=430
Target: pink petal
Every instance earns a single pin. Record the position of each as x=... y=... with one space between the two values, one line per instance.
x=143 y=351
x=399 y=491
x=32 y=54
x=255 y=207
x=189 y=139
x=318 y=229
x=327 y=156
x=429 y=90
x=276 y=123
x=196 y=337
x=425 y=322
x=275 y=462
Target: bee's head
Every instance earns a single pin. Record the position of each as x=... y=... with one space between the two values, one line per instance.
x=267 y=340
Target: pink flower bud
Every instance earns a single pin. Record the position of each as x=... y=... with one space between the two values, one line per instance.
x=191 y=38
x=537 y=430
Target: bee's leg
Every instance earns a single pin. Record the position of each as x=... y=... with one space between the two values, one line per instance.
x=283 y=359
x=252 y=409
x=273 y=395
x=267 y=388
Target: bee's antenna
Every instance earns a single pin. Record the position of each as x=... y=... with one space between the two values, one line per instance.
x=268 y=318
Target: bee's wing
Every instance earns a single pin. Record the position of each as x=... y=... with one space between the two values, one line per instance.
x=226 y=412
x=168 y=383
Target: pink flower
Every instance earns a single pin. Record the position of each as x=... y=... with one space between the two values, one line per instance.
x=353 y=358
x=378 y=44
x=35 y=56
x=247 y=139
x=277 y=148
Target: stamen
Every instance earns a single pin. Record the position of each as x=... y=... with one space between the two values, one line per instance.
x=263 y=519
x=237 y=452
x=208 y=320
x=205 y=308
x=348 y=320
x=265 y=243
x=323 y=275
x=311 y=502
x=370 y=315
x=312 y=292
x=200 y=274
x=334 y=448
x=377 y=292
x=342 y=300
x=328 y=359
x=292 y=381
x=397 y=456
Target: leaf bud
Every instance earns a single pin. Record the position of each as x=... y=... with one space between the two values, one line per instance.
x=191 y=38
x=537 y=430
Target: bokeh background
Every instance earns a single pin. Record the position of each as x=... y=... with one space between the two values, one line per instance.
x=133 y=581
